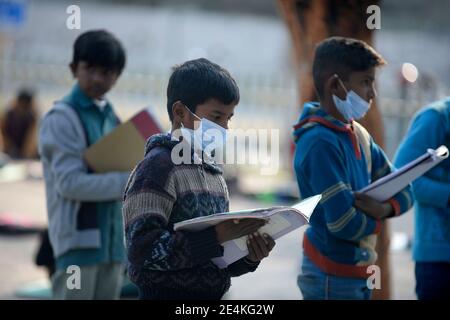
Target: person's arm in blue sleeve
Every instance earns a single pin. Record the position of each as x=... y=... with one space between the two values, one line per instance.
x=428 y=130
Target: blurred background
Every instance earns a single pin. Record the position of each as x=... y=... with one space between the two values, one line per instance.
x=249 y=38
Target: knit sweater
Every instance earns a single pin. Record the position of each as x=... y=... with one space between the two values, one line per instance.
x=329 y=160
x=165 y=264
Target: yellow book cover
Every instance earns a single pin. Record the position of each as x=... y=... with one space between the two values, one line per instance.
x=123 y=148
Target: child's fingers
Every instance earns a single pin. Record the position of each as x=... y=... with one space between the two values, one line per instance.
x=261 y=245
x=255 y=246
x=269 y=241
x=366 y=198
x=362 y=196
x=251 y=223
x=358 y=195
x=266 y=241
x=250 y=227
x=259 y=222
x=251 y=249
x=360 y=204
x=365 y=201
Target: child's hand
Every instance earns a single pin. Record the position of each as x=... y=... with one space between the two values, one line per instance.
x=371 y=207
x=233 y=229
x=259 y=246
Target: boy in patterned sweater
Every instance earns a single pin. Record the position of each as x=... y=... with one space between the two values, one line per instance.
x=168 y=264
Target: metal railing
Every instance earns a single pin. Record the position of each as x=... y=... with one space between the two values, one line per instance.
x=268 y=102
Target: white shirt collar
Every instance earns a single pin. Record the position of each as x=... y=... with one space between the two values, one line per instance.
x=100 y=103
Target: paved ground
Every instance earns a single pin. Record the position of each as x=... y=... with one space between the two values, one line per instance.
x=275 y=278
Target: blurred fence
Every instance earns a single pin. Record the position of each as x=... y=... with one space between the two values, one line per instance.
x=266 y=102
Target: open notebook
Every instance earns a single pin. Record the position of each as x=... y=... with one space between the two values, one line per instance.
x=281 y=220
x=388 y=186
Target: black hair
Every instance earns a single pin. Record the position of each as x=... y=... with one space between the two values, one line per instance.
x=25 y=94
x=99 y=48
x=342 y=56
x=196 y=81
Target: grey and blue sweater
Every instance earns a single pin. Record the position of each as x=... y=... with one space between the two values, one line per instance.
x=165 y=264
x=81 y=205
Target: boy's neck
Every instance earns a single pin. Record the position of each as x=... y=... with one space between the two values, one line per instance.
x=327 y=104
x=94 y=99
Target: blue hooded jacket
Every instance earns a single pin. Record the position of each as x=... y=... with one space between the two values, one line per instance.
x=329 y=160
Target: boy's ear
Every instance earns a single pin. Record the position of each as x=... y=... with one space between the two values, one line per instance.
x=179 y=112
x=73 y=69
x=334 y=87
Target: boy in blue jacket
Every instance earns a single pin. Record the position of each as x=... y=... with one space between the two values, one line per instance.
x=430 y=128
x=335 y=156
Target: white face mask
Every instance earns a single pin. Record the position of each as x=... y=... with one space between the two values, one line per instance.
x=353 y=107
x=208 y=136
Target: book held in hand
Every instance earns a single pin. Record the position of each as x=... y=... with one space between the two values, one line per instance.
x=123 y=148
x=280 y=221
x=388 y=186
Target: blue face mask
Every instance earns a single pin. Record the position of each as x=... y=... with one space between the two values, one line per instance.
x=208 y=136
x=353 y=107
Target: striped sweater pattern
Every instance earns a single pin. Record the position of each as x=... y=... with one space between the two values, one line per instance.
x=165 y=264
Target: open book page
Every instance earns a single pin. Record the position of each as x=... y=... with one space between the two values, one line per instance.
x=307 y=206
x=388 y=186
x=201 y=223
x=281 y=221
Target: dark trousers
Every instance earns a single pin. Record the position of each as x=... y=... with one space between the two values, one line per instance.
x=432 y=280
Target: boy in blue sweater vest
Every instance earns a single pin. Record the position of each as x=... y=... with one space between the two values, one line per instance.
x=335 y=156
x=430 y=128
x=84 y=208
